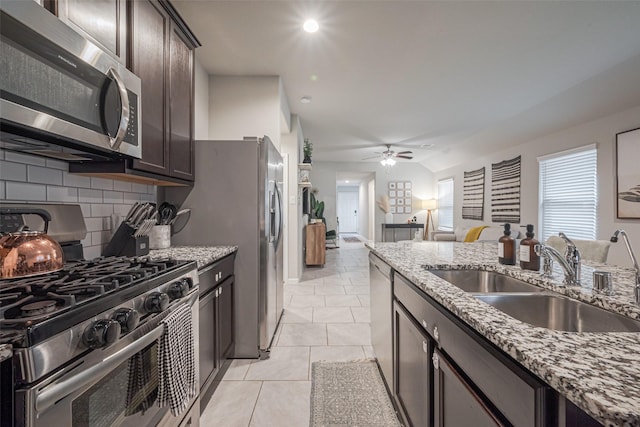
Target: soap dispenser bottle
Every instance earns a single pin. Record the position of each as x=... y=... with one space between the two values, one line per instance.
x=529 y=259
x=507 y=247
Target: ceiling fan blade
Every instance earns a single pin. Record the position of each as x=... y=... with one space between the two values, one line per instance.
x=404 y=157
x=404 y=152
x=372 y=157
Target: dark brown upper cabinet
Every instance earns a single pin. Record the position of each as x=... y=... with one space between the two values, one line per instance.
x=159 y=50
x=104 y=22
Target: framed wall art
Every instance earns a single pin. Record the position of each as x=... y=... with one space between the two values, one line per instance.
x=628 y=174
x=400 y=196
x=505 y=191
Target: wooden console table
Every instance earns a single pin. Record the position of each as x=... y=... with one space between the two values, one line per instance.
x=412 y=227
x=315 y=251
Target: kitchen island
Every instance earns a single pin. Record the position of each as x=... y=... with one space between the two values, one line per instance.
x=598 y=372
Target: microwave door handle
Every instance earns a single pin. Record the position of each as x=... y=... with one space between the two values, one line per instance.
x=124 y=110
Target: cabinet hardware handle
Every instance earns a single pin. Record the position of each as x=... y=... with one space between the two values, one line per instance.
x=436 y=333
x=425 y=347
x=436 y=361
x=220 y=292
x=424 y=324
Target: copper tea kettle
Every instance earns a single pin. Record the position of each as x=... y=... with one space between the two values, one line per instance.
x=28 y=253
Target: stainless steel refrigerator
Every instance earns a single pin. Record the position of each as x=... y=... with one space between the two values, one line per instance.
x=237 y=200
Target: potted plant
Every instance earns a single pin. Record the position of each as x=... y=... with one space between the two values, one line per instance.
x=307 y=149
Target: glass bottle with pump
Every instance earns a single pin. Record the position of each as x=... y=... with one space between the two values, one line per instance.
x=529 y=260
x=507 y=247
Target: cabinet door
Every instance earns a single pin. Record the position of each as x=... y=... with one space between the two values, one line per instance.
x=149 y=58
x=413 y=388
x=181 y=151
x=104 y=22
x=225 y=319
x=456 y=402
x=207 y=335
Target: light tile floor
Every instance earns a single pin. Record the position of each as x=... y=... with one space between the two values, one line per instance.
x=326 y=317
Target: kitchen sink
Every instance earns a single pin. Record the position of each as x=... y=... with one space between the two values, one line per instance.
x=484 y=281
x=559 y=313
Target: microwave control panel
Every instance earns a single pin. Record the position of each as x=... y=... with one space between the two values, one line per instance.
x=131 y=136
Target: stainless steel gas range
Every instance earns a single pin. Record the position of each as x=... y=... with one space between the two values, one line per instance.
x=86 y=341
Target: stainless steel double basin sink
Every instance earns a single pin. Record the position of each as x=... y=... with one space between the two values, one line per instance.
x=534 y=305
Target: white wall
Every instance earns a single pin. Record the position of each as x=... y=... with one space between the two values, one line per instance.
x=294 y=225
x=323 y=178
x=242 y=106
x=201 y=102
x=602 y=132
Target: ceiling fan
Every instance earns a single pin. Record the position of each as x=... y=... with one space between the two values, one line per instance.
x=388 y=156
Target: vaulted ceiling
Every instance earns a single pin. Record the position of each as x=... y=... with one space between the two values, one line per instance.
x=449 y=80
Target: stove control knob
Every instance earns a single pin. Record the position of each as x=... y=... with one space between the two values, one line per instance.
x=156 y=302
x=178 y=290
x=128 y=318
x=101 y=333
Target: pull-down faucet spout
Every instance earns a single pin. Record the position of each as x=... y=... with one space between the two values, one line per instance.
x=625 y=237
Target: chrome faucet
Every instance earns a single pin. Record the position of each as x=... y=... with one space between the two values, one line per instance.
x=572 y=255
x=625 y=237
x=571 y=276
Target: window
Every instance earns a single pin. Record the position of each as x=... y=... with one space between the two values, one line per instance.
x=569 y=193
x=445 y=204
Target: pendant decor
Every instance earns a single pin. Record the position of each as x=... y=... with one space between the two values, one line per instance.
x=473 y=195
x=505 y=191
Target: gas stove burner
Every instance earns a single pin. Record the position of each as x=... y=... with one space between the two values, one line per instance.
x=38 y=308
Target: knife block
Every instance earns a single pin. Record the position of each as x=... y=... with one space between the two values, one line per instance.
x=123 y=243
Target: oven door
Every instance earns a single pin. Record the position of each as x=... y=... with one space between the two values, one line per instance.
x=118 y=390
x=58 y=88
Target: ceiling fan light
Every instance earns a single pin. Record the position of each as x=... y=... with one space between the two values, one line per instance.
x=391 y=162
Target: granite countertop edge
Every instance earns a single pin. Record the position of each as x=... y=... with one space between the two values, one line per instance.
x=599 y=372
x=203 y=255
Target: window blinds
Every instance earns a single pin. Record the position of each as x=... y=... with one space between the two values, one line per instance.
x=569 y=194
x=445 y=204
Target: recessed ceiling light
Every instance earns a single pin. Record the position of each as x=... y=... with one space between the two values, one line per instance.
x=310 y=26
x=426 y=146
x=313 y=77
x=346 y=181
x=305 y=100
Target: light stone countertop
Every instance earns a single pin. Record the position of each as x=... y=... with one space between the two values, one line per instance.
x=6 y=352
x=599 y=372
x=202 y=255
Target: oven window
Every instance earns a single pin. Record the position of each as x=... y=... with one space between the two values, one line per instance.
x=122 y=397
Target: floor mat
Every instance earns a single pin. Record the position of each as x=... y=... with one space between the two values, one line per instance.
x=350 y=394
x=351 y=239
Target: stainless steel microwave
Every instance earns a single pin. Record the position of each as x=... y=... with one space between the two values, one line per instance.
x=61 y=95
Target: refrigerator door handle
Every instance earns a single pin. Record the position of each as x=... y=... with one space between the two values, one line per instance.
x=272 y=216
x=280 y=220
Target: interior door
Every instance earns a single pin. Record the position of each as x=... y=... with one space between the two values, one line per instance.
x=348 y=202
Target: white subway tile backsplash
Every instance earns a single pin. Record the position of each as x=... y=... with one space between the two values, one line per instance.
x=89 y=196
x=86 y=210
x=72 y=180
x=131 y=198
x=62 y=194
x=104 y=202
x=13 y=171
x=94 y=224
x=57 y=164
x=27 y=192
x=101 y=183
x=122 y=186
x=101 y=209
x=91 y=252
x=24 y=158
x=112 y=197
x=41 y=175
x=139 y=188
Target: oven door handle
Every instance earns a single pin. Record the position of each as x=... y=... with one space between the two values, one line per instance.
x=51 y=394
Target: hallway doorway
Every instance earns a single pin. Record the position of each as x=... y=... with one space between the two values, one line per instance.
x=347 y=209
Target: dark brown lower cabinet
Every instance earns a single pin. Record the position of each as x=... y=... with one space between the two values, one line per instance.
x=413 y=388
x=456 y=403
x=216 y=325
